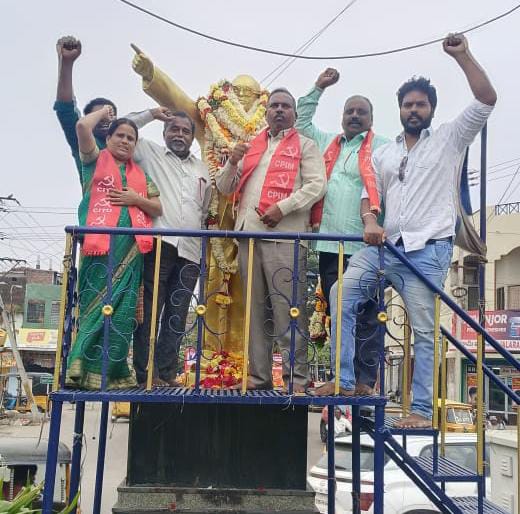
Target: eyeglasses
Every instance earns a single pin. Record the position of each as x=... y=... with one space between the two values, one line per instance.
x=402 y=167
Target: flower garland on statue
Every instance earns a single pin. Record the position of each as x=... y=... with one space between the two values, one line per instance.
x=226 y=122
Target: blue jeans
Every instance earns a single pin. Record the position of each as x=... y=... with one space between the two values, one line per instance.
x=360 y=283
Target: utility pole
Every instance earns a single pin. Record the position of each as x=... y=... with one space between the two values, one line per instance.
x=19 y=363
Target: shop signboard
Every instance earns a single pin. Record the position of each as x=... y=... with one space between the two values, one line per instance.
x=36 y=339
x=504 y=326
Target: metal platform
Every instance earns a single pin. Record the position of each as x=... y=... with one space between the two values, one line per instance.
x=447 y=470
x=389 y=425
x=190 y=395
x=469 y=505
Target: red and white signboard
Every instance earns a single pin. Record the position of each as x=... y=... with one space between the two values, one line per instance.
x=504 y=326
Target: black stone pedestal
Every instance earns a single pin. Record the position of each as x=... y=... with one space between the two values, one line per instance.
x=255 y=447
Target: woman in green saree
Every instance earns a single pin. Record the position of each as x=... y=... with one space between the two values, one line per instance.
x=116 y=193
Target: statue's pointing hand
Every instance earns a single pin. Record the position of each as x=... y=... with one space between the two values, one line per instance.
x=142 y=64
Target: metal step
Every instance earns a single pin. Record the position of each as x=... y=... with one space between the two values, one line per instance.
x=469 y=505
x=389 y=425
x=447 y=470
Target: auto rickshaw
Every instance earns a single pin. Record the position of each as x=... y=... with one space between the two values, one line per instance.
x=459 y=417
x=15 y=397
x=120 y=410
x=22 y=460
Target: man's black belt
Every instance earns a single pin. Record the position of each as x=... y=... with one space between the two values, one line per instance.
x=399 y=242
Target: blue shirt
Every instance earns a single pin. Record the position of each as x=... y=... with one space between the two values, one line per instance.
x=68 y=115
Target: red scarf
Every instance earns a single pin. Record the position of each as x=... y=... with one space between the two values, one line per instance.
x=101 y=213
x=365 y=170
x=283 y=168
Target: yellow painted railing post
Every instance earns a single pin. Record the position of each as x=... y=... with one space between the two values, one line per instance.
x=339 y=309
x=63 y=299
x=153 y=325
x=247 y=317
x=405 y=396
x=480 y=404
x=444 y=392
x=436 y=333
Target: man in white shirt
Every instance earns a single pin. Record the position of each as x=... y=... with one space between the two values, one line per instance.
x=185 y=186
x=418 y=179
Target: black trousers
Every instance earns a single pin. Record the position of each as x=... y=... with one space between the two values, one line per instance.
x=366 y=360
x=177 y=279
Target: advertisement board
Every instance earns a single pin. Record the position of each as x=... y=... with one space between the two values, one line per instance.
x=504 y=326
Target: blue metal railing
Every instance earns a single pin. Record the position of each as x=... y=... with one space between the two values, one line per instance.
x=204 y=235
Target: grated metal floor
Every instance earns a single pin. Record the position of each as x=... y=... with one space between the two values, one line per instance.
x=447 y=470
x=190 y=395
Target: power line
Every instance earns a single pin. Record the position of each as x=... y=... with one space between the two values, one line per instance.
x=290 y=60
x=505 y=191
x=310 y=57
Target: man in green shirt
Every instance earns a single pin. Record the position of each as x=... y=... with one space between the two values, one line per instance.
x=69 y=49
x=341 y=210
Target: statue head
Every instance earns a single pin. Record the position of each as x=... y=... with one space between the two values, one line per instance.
x=247 y=89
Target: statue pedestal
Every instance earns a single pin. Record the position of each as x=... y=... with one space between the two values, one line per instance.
x=216 y=458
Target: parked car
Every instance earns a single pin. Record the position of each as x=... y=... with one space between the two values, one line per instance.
x=345 y=413
x=401 y=494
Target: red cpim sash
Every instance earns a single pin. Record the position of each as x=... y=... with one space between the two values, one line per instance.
x=365 y=170
x=101 y=213
x=283 y=168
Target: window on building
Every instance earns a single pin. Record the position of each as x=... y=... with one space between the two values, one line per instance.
x=470 y=273
x=472 y=297
x=55 y=313
x=35 y=311
x=513 y=297
x=500 y=300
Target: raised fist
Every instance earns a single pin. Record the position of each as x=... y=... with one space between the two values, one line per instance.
x=238 y=152
x=108 y=113
x=327 y=78
x=455 y=45
x=68 y=48
x=142 y=64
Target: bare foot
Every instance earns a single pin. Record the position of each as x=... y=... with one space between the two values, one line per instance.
x=329 y=390
x=413 y=421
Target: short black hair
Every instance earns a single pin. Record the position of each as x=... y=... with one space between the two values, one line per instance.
x=364 y=98
x=472 y=390
x=122 y=121
x=99 y=101
x=421 y=84
x=180 y=114
x=282 y=90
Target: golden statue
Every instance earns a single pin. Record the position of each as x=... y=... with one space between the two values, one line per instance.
x=231 y=112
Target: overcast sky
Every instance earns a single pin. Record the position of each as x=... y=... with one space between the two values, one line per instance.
x=37 y=166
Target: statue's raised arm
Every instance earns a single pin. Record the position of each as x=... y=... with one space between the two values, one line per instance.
x=165 y=91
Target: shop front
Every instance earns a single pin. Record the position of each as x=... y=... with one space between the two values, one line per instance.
x=504 y=326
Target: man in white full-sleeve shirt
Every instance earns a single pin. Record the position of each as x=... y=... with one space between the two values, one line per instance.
x=418 y=181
